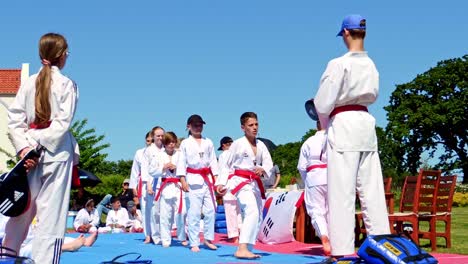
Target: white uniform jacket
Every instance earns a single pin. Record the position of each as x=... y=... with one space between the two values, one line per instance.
x=117 y=217
x=349 y=80
x=135 y=172
x=57 y=138
x=84 y=217
x=163 y=158
x=310 y=154
x=150 y=163
x=195 y=156
x=240 y=156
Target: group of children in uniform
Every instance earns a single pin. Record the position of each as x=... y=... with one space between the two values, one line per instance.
x=167 y=180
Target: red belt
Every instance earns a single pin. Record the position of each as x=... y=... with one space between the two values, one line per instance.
x=40 y=126
x=316 y=166
x=204 y=172
x=140 y=186
x=250 y=176
x=163 y=184
x=346 y=108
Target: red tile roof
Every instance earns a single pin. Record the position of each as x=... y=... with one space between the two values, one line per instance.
x=10 y=80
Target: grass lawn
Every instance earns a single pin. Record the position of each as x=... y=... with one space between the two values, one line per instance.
x=459 y=233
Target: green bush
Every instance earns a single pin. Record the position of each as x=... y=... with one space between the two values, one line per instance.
x=111 y=184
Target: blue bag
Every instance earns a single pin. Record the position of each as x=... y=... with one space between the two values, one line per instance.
x=393 y=249
x=343 y=260
x=137 y=260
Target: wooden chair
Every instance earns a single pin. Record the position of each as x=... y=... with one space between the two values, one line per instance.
x=444 y=202
x=418 y=199
x=360 y=228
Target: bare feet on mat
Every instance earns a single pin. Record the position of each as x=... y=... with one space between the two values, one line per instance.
x=243 y=254
x=184 y=243
x=147 y=240
x=210 y=245
x=76 y=244
x=195 y=249
x=326 y=246
x=89 y=241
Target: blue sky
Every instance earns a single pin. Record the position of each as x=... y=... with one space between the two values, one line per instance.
x=139 y=64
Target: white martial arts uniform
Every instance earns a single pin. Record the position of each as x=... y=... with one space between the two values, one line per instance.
x=135 y=173
x=119 y=217
x=135 y=221
x=312 y=167
x=50 y=180
x=231 y=207
x=201 y=195
x=150 y=208
x=353 y=160
x=170 y=196
x=84 y=218
x=241 y=157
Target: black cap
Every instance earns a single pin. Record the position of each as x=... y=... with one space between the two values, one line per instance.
x=224 y=140
x=193 y=119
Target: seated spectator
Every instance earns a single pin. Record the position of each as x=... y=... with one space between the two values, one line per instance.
x=127 y=194
x=87 y=219
x=136 y=220
x=79 y=199
x=117 y=218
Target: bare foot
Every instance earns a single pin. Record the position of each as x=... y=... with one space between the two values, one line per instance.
x=195 y=249
x=184 y=243
x=326 y=246
x=147 y=240
x=245 y=254
x=210 y=245
x=89 y=241
x=75 y=244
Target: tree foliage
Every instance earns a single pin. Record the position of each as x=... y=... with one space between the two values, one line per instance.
x=91 y=146
x=429 y=114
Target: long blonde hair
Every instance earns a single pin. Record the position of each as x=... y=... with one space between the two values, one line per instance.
x=52 y=46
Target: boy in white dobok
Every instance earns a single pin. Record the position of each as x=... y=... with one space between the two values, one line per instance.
x=247 y=160
x=312 y=166
x=117 y=218
x=170 y=195
x=196 y=167
x=149 y=208
x=349 y=84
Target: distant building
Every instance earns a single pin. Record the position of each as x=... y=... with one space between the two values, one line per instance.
x=10 y=81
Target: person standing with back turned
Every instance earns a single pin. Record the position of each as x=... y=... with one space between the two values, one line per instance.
x=349 y=84
x=41 y=115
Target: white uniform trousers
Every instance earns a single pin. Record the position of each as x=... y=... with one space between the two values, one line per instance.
x=155 y=223
x=146 y=206
x=250 y=205
x=232 y=212
x=316 y=201
x=49 y=184
x=169 y=205
x=200 y=201
x=349 y=172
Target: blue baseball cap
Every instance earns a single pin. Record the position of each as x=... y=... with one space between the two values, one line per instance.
x=352 y=22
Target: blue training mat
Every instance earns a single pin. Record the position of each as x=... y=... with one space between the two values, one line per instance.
x=109 y=246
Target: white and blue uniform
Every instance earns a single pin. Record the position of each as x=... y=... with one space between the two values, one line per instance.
x=353 y=160
x=85 y=218
x=200 y=196
x=150 y=180
x=50 y=180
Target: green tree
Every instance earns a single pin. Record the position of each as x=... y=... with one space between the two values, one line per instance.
x=91 y=146
x=430 y=113
x=390 y=153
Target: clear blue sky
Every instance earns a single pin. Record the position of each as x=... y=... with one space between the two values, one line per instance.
x=144 y=63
